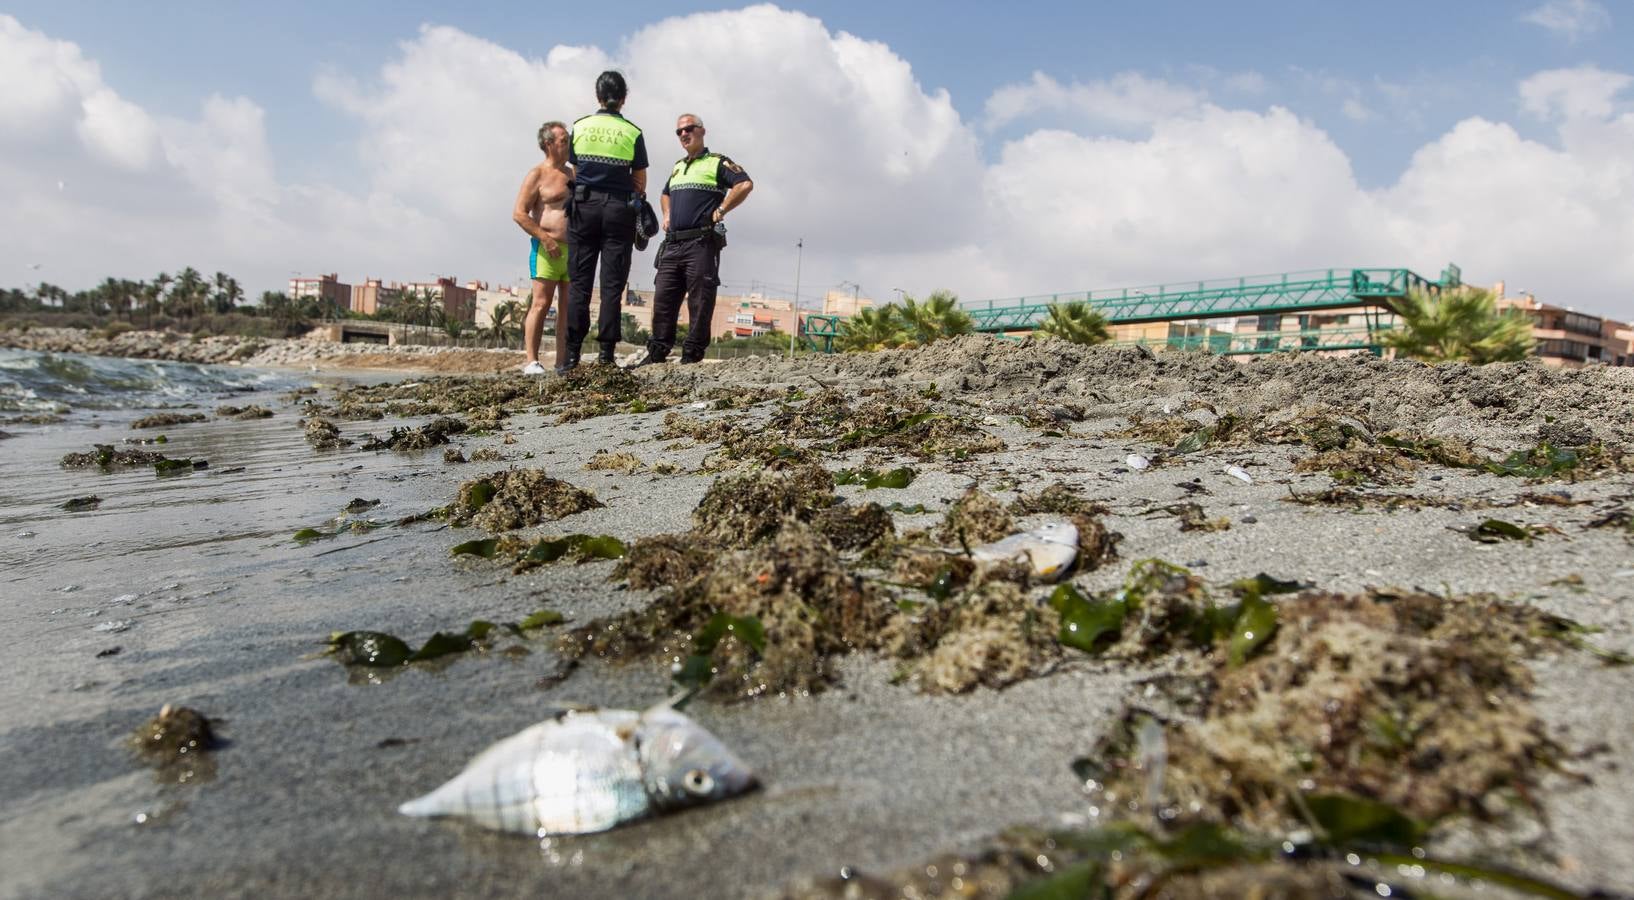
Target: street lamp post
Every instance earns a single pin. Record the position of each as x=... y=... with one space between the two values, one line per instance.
x=800 y=257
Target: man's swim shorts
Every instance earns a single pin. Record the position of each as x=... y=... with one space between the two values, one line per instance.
x=544 y=267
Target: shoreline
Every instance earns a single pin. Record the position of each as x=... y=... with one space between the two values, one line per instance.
x=228 y=614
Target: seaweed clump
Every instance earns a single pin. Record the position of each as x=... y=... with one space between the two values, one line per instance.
x=664 y=560
x=243 y=413
x=165 y=420
x=852 y=527
x=432 y=434
x=991 y=635
x=1414 y=701
x=323 y=435
x=781 y=609
x=739 y=510
x=517 y=498
x=177 y=742
x=105 y=456
x=975 y=518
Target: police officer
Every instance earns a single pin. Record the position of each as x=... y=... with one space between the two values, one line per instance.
x=609 y=158
x=702 y=188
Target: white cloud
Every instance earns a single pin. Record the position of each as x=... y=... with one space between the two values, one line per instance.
x=1355 y=110
x=1125 y=100
x=118 y=130
x=1570 y=19
x=1586 y=92
x=1142 y=180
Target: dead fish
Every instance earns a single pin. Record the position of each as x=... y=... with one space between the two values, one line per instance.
x=1238 y=473
x=587 y=770
x=1050 y=548
x=1137 y=462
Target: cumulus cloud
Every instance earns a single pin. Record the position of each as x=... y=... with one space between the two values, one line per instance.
x=1085 y=184
x=1587 y=92
x=1125 y=100
x=1570 y=19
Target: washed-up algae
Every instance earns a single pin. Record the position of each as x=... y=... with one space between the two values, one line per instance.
x=739 y=510
x=886 y=420
x=243 y=413
x=610 y=461
x=975 y=518
x=177 y=743
x=165 y=420
x=106 y=456
x=432 y=434
x=1321 y=765
x=852 y=527
x=322 y=434
x=516 y=498
x=486 y=454
x=805 y=602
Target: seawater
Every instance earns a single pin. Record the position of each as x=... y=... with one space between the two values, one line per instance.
x=262 y=481
x=62 y=383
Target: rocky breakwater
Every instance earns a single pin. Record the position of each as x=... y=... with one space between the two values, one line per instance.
x=251 y=351
x=136 y=344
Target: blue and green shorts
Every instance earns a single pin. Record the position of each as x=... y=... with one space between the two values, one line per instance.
x=542 y=266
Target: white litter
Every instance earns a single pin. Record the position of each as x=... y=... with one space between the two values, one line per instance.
x=1238 y=473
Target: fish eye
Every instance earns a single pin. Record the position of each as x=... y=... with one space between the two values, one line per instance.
x=698 y=781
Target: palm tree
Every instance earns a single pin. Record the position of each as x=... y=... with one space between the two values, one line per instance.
x=872 y=329
x=1462 y=325
x=1077 y=322
x=505 y=322
x=939 y=316
x=226 y=294
x=189 y=292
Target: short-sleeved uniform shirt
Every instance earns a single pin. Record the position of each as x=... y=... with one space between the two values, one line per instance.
x=618 y=149
x=697 y=187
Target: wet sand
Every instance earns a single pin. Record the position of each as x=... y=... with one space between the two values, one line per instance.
x=226 y=614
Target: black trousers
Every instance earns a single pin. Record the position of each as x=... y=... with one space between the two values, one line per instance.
x=601 y=225
x=689 y=269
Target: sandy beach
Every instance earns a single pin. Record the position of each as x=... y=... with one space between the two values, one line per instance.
x=191 y=591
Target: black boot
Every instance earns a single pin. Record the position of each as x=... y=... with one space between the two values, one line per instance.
x=652 y=358
x=570 y=363
x=605 y=357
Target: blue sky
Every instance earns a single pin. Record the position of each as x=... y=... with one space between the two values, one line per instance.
x=1449 y=60
x=1032 y=85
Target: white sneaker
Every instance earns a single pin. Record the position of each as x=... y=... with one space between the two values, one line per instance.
x=534 y=368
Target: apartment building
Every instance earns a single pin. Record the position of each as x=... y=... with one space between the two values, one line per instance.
x=1570 y=339
x=459 y=302
x=374 y=296
x=326 y=288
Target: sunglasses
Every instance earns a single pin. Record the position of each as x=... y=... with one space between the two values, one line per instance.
x=686 y=129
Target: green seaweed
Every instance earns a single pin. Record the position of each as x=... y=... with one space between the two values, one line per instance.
x=1084 y=621
x=1492 y=531
x=485 y=548
x=871 y=480
x=698 y=668
x=1348 y=820
x=1255 y=624
x=163 y=467
x=544 y=618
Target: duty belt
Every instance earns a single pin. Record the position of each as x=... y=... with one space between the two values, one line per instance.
x=690 y=234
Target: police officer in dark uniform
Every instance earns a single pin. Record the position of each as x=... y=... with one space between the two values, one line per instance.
x=609 y=158
x=702 y=188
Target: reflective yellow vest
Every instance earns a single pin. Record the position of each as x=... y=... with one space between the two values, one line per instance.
x=702 y=175
x=605 y=139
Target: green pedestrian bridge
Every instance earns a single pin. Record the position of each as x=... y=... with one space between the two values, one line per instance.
x=1367 y=295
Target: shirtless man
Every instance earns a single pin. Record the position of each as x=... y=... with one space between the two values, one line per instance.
x=541 y=211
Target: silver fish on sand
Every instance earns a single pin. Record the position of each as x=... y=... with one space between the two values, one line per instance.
x=583 y=771
x=1050 y=548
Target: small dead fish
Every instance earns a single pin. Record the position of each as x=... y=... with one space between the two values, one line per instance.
x=584 y=771
x=1050 y=548
x=1137 y=462
x=1238 y=473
